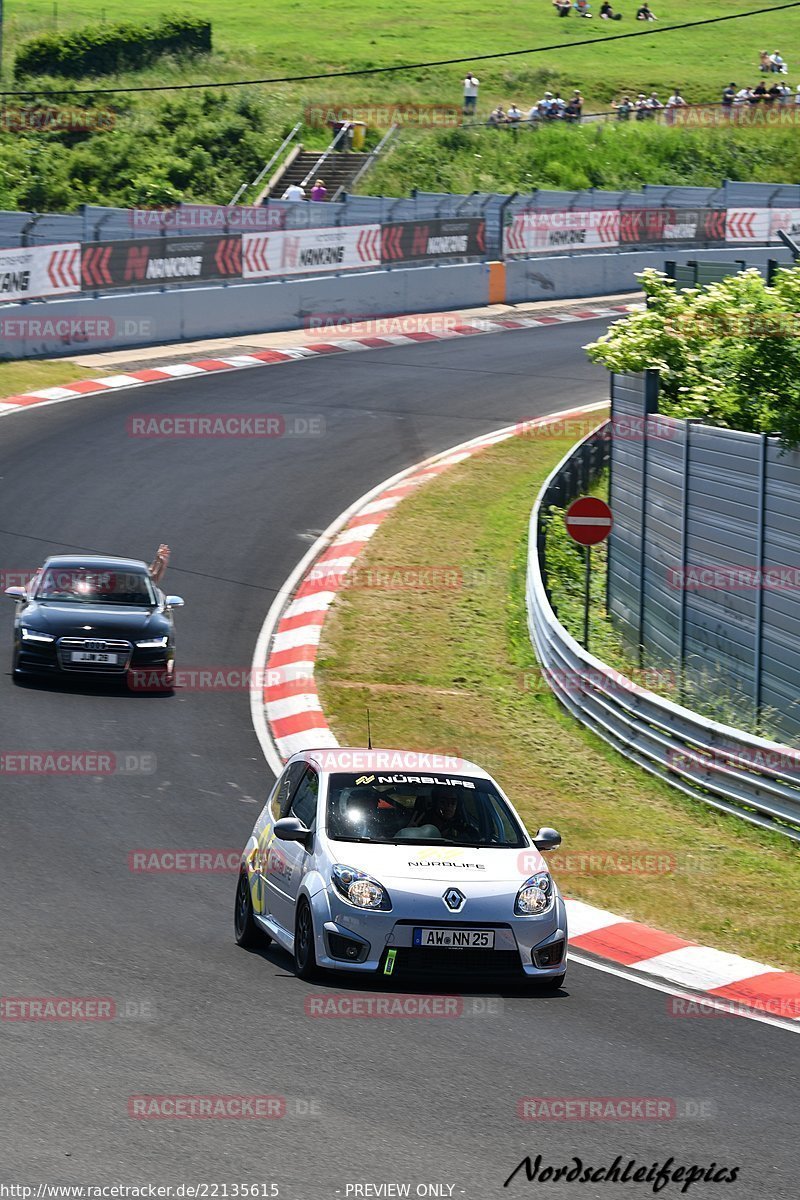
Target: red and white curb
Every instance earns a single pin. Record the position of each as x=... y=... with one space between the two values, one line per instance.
x=287 y=716
x=443 y=326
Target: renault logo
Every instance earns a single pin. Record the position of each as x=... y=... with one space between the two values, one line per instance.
x=454 y=899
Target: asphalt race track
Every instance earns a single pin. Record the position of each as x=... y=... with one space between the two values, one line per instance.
x=368 y=1101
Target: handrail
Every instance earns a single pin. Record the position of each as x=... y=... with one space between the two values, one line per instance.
x=368 y=161
x=726 y=768
x=318 y=164
x=283 y=146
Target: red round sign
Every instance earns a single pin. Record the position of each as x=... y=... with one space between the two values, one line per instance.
x=588 y=520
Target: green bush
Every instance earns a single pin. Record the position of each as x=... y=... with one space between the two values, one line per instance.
x=106 y=49
x=728 y=353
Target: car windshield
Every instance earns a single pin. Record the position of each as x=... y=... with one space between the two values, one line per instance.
x=439 y=810
x=81 y=585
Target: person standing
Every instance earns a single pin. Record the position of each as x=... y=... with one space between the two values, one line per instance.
x=319 y=191
x=294 y=192
x=471 y=85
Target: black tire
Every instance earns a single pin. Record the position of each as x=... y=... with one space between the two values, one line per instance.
x=305 y=956
x=245 y=930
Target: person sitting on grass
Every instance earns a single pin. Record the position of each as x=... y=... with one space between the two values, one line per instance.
x=607 y=13
x=582 y=8
x=777 y=64
x=563 y=7
x=645 y=13
x=764 y=61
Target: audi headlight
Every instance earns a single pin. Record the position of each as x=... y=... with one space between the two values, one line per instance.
x=153 y=644
x=535 y=896
x=33 y=635
x=359 y=889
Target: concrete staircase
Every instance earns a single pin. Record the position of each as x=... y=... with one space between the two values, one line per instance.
x=338 y=170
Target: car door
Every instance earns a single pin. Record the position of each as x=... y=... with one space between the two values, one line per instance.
x=277 y=807
x=286 y=862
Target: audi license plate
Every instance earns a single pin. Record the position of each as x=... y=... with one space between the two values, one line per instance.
x=95 y=656
x=455 y=939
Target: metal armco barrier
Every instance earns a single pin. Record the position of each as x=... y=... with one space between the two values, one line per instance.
x=746 y=776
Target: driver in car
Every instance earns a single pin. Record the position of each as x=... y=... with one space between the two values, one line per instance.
x=446 y=812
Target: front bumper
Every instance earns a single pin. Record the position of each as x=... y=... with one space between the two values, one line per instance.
x=518 y=941
x=48 y=658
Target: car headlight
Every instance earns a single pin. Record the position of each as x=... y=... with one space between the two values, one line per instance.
x=359 y=889
x=535 y=896
x=153 y=644
x=33 y=635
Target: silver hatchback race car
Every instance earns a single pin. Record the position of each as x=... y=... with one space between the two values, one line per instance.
x=403 y=864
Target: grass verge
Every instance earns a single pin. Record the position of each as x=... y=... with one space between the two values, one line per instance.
x=16 y=378
x=453 y=670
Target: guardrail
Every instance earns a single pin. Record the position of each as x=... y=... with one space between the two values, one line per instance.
x=738 y=773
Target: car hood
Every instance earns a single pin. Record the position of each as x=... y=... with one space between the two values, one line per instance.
x=94 y=620
x=415 y=860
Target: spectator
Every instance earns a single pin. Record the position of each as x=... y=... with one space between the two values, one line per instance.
x=774 y=94
x=582 y=8
x=743 y=96
x=758 y=93
x=471 y=85
x=786 y=95
x=624 y=108
x=563 y=7
x=777 y=64
x=294 y=192
x=577 y=100
x=319 y=191
x=728 y=95
x=645 y=13
x=572 y=112
x=642 y=107
x=606 y=11
x=514 y=115
x=546 y=103
x=558 y=105
x=764 y=61
x=653 y=104
x=497 y=116
x=674 y=101
x=797 y=97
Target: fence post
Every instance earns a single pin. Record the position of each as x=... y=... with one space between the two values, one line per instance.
x=684 y=553
x=758 y=620
x=650 y=406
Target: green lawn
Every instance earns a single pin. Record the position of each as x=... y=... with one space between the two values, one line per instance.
x=452 y=670
x=16 y=378
x=301 y=36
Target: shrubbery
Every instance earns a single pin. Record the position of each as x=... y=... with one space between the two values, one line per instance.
x=728 y=353
x=105 y=49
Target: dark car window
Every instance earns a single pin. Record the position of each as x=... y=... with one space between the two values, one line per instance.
x=81 y=585
x=284 y=789
x=304 y=804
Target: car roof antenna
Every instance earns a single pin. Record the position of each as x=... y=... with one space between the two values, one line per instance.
x=369 y=733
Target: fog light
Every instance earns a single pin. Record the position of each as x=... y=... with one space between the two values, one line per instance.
x=346 y=948
x=549 y=956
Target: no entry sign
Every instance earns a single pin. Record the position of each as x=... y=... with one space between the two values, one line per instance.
x=588 y=521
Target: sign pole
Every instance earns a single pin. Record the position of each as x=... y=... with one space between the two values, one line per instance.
x=587 y=579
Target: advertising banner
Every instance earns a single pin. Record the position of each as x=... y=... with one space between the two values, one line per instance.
x=302 y=251
x=31 y=271
x=748 y=225
x=539 y=231
x=407 y=241
x=148 y=262
x=643 y=225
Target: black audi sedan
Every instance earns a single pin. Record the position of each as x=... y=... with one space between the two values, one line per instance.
x=104 y=616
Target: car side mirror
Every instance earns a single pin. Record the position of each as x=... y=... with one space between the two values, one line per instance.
x=547 y=839
x=291 y=829
x=17 y=593
x=174 y=601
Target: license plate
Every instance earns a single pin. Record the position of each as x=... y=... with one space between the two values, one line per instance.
x=94 y=656
x=455 y=939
